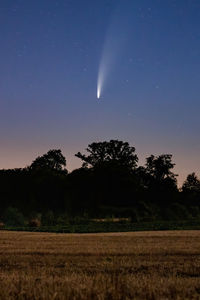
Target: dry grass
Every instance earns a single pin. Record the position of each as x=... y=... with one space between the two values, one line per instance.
x=141 y=265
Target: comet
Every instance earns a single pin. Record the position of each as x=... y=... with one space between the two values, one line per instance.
x=100 y=80
x=104 y=68
x=98 y=92
x=114 y=42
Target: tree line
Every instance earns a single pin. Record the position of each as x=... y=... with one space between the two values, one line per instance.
x=109 y=183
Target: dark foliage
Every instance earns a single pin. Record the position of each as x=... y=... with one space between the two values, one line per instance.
x=113 y=151
x=109 y=184
x=52 y=160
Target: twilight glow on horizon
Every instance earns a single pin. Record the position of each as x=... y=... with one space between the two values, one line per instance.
x=139 y=58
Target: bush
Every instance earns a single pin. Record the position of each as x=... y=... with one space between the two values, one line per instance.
x=13 y=217
x=48 y=218
x=2 y=225
x=34 y=223
x=180 y=212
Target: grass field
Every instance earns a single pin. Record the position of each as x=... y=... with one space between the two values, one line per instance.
x=140 y=265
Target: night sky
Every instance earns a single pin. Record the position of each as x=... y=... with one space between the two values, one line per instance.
x=51 y=52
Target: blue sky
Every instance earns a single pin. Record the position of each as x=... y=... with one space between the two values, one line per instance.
x=50 y=57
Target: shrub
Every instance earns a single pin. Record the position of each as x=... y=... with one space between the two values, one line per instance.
x=2 y=225
x=48 y=218
x=13 y=217
x=34 y=223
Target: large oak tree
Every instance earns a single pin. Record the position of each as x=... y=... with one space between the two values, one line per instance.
x=115 y=151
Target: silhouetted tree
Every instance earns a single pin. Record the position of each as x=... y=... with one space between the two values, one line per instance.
x=109 y=183
x=191 y=191
x=161 y=181
x=191 y=184
x=116 y=151
x=52 y=160
x=160 y=167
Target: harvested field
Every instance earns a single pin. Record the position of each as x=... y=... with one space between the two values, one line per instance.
x=140 y=265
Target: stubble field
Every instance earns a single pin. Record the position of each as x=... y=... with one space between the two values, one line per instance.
x=140 y=265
